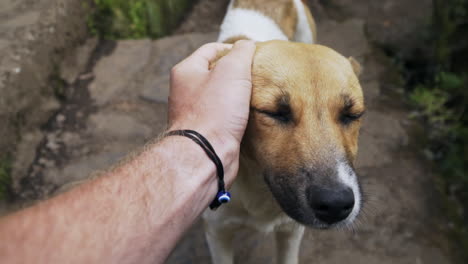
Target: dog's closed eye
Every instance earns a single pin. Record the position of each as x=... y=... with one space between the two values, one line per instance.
x=349 y=114
x=281 y=111
x=348 y=118
x=281 y=115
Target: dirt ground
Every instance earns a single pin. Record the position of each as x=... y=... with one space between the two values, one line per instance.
x=116 y=101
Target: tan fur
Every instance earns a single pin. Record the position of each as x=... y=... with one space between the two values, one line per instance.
x=281 y=11
x=315 y=81
x=233 y=40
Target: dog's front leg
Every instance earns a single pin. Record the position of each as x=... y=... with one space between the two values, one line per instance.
x=288 y=241
x=220 y=243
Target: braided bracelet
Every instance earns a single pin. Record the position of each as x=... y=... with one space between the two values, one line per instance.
x=222 y=196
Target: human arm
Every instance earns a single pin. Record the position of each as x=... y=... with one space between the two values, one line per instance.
x=137 y=211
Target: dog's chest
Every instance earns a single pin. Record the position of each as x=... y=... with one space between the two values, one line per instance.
x=262 y=211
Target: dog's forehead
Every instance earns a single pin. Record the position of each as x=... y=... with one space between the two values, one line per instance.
x=290 y=60
x=296 y=67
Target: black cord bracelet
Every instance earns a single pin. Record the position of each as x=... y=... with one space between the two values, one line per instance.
x=222 y=196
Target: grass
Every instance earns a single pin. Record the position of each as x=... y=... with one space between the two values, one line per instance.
x=133 y=19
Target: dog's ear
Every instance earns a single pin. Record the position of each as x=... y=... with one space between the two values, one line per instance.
x=357 y=68
x=218 y=56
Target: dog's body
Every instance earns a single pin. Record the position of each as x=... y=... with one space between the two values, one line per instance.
x=263 y=20
x=297 y=154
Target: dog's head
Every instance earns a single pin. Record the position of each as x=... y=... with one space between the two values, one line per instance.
x=303 y=130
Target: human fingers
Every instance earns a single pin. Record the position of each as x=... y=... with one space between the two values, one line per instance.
x=238 y=62
x=202 y=57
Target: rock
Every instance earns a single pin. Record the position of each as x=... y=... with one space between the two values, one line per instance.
x=206 y=16
x=70 y=138
x=156 y=80
x=371 y=91
x=26 y=153
x=29 y=53
x=116 y=126
x=347 y=38
x=398 y=24
x=75 y=62
x=46 y=163
x=115 y=73
x=60 y=118
x=172 y=50
x=380 y=135
x=156 y=89
x=23 y=20
x=81 y=169
x=52 y=142
x=49 y=105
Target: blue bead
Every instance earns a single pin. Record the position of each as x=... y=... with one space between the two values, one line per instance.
x=224 y=197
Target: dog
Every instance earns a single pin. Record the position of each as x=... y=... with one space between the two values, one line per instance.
x=297 y=154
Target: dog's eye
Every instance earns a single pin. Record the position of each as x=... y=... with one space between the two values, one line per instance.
x=282 y=115
x=349 y=113
x=348 y=118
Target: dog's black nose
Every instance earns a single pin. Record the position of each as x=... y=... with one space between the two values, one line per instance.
x=331 y=205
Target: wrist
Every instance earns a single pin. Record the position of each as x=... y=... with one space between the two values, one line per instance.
x=225 y=146
x=193 y=174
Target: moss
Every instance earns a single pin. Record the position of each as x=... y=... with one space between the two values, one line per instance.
x=123 y=19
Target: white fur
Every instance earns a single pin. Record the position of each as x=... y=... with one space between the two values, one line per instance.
x=249 y=23
x=347 y=176
x=303 y=31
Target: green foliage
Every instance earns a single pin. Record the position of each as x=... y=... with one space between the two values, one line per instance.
x=442 y=98
x=122 y=19
x=5 y=178
x=438 y=105
x=431 y=103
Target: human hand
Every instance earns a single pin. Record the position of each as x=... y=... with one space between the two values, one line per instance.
x=214 y=102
